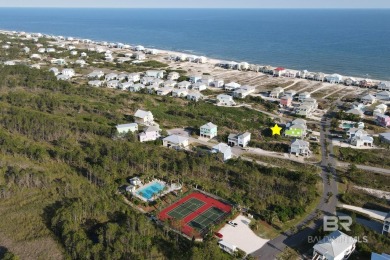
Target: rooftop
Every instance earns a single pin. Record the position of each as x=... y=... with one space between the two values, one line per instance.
x=334 y=244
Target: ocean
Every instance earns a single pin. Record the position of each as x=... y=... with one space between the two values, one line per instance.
x=345 y=41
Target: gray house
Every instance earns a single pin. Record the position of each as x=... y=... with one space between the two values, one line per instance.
x=241 y=139
x=300 y=147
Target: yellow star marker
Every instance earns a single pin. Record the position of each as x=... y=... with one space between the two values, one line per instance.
x=276 y=130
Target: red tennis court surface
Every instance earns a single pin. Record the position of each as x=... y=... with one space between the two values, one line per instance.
x=195 y=213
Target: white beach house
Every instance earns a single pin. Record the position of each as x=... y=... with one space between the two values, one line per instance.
x=176 y=141
x=334 y=78
x=225 y=100
x=240 y=139
x=224 y=149
x=144 y=117
x=335 y=246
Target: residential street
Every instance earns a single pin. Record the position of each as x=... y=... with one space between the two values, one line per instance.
x=277 y=245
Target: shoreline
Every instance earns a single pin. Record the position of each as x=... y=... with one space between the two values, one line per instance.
x=210 y=60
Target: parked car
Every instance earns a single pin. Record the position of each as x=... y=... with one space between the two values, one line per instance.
x=219 y=235
x=231 y=223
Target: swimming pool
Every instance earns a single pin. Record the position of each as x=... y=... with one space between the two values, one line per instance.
x=150 y=189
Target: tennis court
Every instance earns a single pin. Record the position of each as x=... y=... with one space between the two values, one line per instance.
x=207 y=218
x=197 y=212
x=183 y=210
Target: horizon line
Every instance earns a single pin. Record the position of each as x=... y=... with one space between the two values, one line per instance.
x=220 y=8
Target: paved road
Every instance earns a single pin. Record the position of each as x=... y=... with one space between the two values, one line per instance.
x=277 y=245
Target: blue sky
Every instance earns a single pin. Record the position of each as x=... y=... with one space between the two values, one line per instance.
x=200 y=3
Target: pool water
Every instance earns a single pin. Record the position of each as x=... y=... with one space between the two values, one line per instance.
x=348 y=126
x=151 y=189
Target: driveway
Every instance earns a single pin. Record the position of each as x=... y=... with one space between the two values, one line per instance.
x=178 y=131
x=379 y=215
x=242 y=236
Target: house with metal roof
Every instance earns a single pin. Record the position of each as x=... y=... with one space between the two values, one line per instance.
x=150 y=133
x=194 y=96
x=296 y=128
x=300 y=147
x=368 y=99
x=136 y=87
x=384 y=85
x=302 y=96
x=383 y=95
x=225 y=100
x=164 y=91
x=335 y=246
x=199 y=86
x=176 y=141
x=173 y=76
x=224 y=149
x=208 y=130
x=240 y=139
x=276 y=92
x=379 y=109
x=383 y=256
x=358 y=137
x=232 y=86
x=143 y=117
x=218 y=83
x=159 y=74
x=334 y=78
x=243 y=91
x=179 y=92
x=184 y=85
x=385 y=137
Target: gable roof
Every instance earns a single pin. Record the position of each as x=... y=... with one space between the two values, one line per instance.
x=383 y=93
x=209 y=125
x=334 y=244
x=142 y=113
x=176 y=139
x=300 y=143
x=152 y=129
x=387 y=137
x=368 y=97
x=222 y=148
x=299 y=121
x=239 y=135
x=126 y=125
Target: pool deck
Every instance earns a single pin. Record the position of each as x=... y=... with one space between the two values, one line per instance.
x=170 y=188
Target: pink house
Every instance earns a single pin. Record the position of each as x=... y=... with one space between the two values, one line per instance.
x=383 y=120
x=286 y=101
x=151 y=133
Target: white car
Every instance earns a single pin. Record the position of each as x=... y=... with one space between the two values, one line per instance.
x=231 y=223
